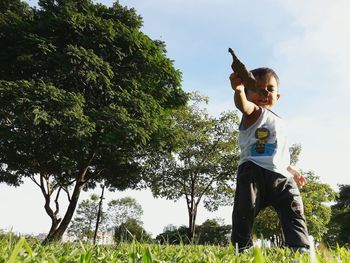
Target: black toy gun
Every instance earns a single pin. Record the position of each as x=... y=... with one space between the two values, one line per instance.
x=246 y=76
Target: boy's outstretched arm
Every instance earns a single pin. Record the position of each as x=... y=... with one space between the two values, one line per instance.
x=298 y=177
x=242 y=103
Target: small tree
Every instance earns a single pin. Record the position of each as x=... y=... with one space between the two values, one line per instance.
x=121 y=210
x=131 y=230
x=203 y=167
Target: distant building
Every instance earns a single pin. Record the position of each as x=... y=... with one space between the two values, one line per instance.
x=103 y=238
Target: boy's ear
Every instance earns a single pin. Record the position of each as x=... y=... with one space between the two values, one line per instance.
x=278 y=96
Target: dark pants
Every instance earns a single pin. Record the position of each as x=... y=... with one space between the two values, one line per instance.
x=258 y=188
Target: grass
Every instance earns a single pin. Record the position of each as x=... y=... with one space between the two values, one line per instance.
x=14 y=249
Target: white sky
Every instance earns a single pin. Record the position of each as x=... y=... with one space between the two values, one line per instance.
x=306 y=42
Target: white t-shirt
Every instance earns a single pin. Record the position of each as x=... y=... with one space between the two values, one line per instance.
x=265 y=143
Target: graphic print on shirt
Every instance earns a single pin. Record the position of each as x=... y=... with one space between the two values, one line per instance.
x=261 y=147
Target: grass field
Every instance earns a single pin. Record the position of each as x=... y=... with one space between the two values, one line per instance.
x=13 y=249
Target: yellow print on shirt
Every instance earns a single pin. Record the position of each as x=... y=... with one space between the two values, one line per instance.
x=262 y=134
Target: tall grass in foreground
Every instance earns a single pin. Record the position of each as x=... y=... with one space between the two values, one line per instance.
x=21 y=250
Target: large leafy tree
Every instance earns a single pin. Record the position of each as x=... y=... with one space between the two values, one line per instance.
x=203 y=166
x=339 y=225
x=84 y=97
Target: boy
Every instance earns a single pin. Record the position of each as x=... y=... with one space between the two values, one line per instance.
x=263 y=178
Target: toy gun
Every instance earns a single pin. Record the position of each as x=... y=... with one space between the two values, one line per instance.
x=246 y=76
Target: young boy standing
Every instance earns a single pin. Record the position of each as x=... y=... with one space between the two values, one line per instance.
x=264 y=172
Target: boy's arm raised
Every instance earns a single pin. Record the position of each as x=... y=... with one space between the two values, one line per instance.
x=242 y=103
x=242 y=75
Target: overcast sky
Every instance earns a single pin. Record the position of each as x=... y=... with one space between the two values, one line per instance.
x=306 y=42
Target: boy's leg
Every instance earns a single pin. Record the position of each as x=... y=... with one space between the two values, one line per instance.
x=291 y=213
x=246 y=204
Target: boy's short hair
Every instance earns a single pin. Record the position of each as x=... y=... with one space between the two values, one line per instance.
x=265 y=72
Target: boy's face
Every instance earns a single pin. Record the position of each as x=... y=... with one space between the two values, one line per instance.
x=269 y=84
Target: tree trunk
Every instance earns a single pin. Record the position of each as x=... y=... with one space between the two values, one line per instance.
x=56 y=234
x=192 y=214
x=99 y=213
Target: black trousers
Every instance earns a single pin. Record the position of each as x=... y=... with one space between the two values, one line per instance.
x=258 y=188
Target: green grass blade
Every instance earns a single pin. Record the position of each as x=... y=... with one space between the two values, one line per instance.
x=16 y=250
x=147 y=256
x=258 y=257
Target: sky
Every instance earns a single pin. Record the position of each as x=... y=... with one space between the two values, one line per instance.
x=306 y=42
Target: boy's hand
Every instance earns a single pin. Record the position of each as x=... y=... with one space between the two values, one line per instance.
x=236 y=82
x=298 y=177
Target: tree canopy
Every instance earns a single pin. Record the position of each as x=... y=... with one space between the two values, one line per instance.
x=84 y=95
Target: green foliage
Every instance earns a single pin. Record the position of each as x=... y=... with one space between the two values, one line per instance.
x=339 y=225
x=267 y=226
x=208 y=233
x=84 y=97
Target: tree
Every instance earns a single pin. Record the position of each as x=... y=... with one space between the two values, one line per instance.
x=316 y=197
x=294 y=151
x=131 y=230
x=203 y=166
x=339 y=224
x=82 y=225
x=212 y=233
x=99 y=216
x=84 y=97
x=121 y=210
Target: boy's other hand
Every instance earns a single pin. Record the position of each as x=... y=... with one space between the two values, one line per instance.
x=236 y=82
x=298 y=177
